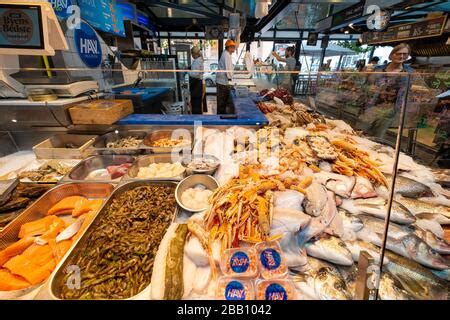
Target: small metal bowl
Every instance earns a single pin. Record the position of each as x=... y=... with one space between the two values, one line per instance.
x=210 y=172
x=208 y=181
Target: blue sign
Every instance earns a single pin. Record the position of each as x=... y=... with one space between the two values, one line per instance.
x=270 y=259
x=103 y=15
x=60 y=7
x=128 y=10
x=239 y=262
x=235 y=291
x=88 y=45
x=275 y=291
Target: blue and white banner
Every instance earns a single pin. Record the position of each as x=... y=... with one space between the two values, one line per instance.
x=60 y=7
x=88 y=45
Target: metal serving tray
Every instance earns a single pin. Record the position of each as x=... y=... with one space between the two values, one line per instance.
x=99 y=146
x=55 y=147
x=145 y=161
x=6 y=187
x=161 y=134
x=82 y=170
x=52 y=290
x=38 y=210
x=72 y=163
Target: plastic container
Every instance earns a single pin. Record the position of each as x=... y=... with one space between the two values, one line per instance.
x=229 y=288
x=239 y=263
x=271 y=262
x=281 y=289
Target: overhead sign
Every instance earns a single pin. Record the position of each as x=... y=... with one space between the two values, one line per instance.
x=353 y=12
x=21 y=27
x=409 y=31
x=88 y=45
x=60 y=7
x=103 y=15
x=128 y=10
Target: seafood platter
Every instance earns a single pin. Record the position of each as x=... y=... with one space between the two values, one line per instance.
x=282 y=212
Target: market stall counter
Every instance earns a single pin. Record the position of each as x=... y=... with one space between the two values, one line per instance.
x=247 y=113
x=145 y=100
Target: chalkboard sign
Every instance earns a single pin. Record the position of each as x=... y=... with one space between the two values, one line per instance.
x=422 y=29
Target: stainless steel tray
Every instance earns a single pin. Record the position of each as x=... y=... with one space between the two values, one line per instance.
x=71 y=163
x=55 y=147
x=37 y=210
x=52 y=290
x=145 y=161
x=99 y=146
x=82 y=170
x=6 y=187
x=168 y=133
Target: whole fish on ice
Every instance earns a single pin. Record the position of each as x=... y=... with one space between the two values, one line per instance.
x=378 y=208
x=410 y=188
x=437 y=217
x=351 y=224
x=321 y=282
x=418 y=207
x=356 y=246
x=331 y=249
x=401 y=242
x=417 y=280
x=349 y=275
x=391 y=289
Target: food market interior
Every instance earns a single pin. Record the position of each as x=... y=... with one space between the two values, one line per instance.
x=230 y=150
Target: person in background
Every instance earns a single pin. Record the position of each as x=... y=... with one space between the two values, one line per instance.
x=223 y=79
x=291 y=63
x=387 y=92
x=196 y=80
x=398 y=57
x=326 y=66
x=372 y=63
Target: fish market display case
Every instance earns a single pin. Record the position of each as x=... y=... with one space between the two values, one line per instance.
x=344 y=185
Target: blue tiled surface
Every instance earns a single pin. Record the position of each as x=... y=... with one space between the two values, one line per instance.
x=143 y=93
x=247 y=113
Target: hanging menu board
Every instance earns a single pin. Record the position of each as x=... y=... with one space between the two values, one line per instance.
x=103 y=15
x=422 y=29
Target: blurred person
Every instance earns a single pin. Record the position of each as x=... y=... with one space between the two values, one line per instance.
x=196 y=80
x=372 y=64
x=291 y=65
x=387 y=92
x=223 y=79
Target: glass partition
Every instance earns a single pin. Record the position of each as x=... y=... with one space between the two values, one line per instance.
x=417 y=241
